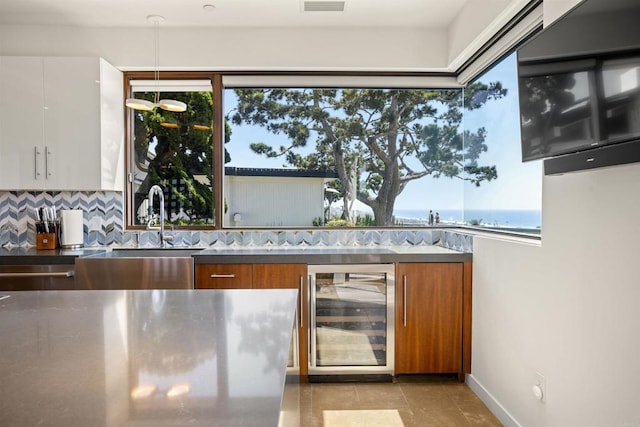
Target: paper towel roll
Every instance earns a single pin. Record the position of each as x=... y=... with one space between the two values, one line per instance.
x=71 y=228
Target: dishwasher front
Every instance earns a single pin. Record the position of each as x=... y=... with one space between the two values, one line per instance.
x=351 y=333
x=119 y=271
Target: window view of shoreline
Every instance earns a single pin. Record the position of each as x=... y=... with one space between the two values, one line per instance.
x=513 y=201
x=389 y=149
x=464 y=152
x=343 y=157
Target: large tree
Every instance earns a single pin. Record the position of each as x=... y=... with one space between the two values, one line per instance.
x=377 y=141
x=175 y=150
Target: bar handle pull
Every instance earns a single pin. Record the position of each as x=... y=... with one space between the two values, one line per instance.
x=404 y=300
x=223 y=276
x=46 y=162
x=69 y=273
x=311 y=345
x=36 y=154
x=300 y=303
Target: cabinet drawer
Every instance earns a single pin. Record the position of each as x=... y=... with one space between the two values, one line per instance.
x=224 y=276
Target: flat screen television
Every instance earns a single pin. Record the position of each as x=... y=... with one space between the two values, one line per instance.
x=579 y=88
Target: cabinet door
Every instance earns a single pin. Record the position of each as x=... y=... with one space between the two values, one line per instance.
x=429 y=318
x=224 y=276
x=112 y=128
x=72 y=123
x=291 y=276
x=21 y=123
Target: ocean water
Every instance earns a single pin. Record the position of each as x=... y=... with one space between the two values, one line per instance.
x=494 y=218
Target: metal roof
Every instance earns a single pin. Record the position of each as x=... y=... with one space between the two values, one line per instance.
x=297 y=173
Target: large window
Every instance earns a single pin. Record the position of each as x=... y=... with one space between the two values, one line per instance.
x=381 y=157
x=267 y=155
x=511 y=201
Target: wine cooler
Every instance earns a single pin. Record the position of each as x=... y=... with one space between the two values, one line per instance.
x=351 y=321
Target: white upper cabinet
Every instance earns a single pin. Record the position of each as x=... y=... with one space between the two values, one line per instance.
x=78 y=106
x=21 y=123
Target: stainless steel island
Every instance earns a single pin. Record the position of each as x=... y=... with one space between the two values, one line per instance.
x=147 y=357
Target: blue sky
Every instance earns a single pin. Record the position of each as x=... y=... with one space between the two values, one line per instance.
x=519 y=185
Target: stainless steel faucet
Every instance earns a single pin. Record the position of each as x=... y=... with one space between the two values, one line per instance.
x=156 y=189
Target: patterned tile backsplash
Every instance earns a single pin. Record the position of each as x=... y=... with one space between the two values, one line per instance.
x=103 y=226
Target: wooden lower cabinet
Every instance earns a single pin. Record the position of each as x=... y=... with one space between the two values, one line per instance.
x=429 y=318
x=290 y=276
x=433 y=309
x=262 y=276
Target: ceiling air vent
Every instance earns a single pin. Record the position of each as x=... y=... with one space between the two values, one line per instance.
x=323 y=6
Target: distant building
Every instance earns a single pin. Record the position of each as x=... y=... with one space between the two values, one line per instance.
x=259 y=197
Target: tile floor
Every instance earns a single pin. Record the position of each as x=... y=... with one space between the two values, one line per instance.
x=409 y=401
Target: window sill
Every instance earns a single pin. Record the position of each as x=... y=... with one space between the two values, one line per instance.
x=510 y=236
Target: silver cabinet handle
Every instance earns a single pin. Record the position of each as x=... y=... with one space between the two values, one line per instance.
x=223 y=276
x=70 y=273
x=404 y=299
x=300 y=303
x=312 y=322
x=36 y=154
x=46 y=162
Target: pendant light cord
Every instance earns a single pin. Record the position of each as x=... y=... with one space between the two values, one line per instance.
x=166 y=104
x=156 y=75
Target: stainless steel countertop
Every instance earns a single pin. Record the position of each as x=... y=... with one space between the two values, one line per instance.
x=33 y=256
x=264 y=254
x=171 y=358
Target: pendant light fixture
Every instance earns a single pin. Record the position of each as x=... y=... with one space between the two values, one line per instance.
x=165 y=104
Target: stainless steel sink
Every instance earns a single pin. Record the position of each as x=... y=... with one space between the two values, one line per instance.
x=137 y=268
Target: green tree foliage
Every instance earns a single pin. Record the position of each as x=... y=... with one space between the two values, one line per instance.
x=377 y=141
x=175 y=151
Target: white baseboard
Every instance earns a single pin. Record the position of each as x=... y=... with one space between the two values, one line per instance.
x=494 y=406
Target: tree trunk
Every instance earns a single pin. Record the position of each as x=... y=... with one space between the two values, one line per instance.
x=389 y=190
x=383 y=212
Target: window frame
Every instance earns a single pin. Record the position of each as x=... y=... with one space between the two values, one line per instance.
x=424 y=80
x=216 y=83
x=217 y=79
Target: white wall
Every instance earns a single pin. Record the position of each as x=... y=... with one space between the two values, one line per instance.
x=475 y=19
x=273 y=201
x=568 y=309
x=304 y=48
x=554 y=9
x=376 y=49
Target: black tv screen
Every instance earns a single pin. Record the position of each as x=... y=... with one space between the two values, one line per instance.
x=579 y=81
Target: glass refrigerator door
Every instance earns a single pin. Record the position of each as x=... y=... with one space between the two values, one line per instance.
x=350 y=317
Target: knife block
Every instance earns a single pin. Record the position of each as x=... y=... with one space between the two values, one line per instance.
x=46 y=241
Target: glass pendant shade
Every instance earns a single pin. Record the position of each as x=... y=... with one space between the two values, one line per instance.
x=172 y=105
x=140 y=104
